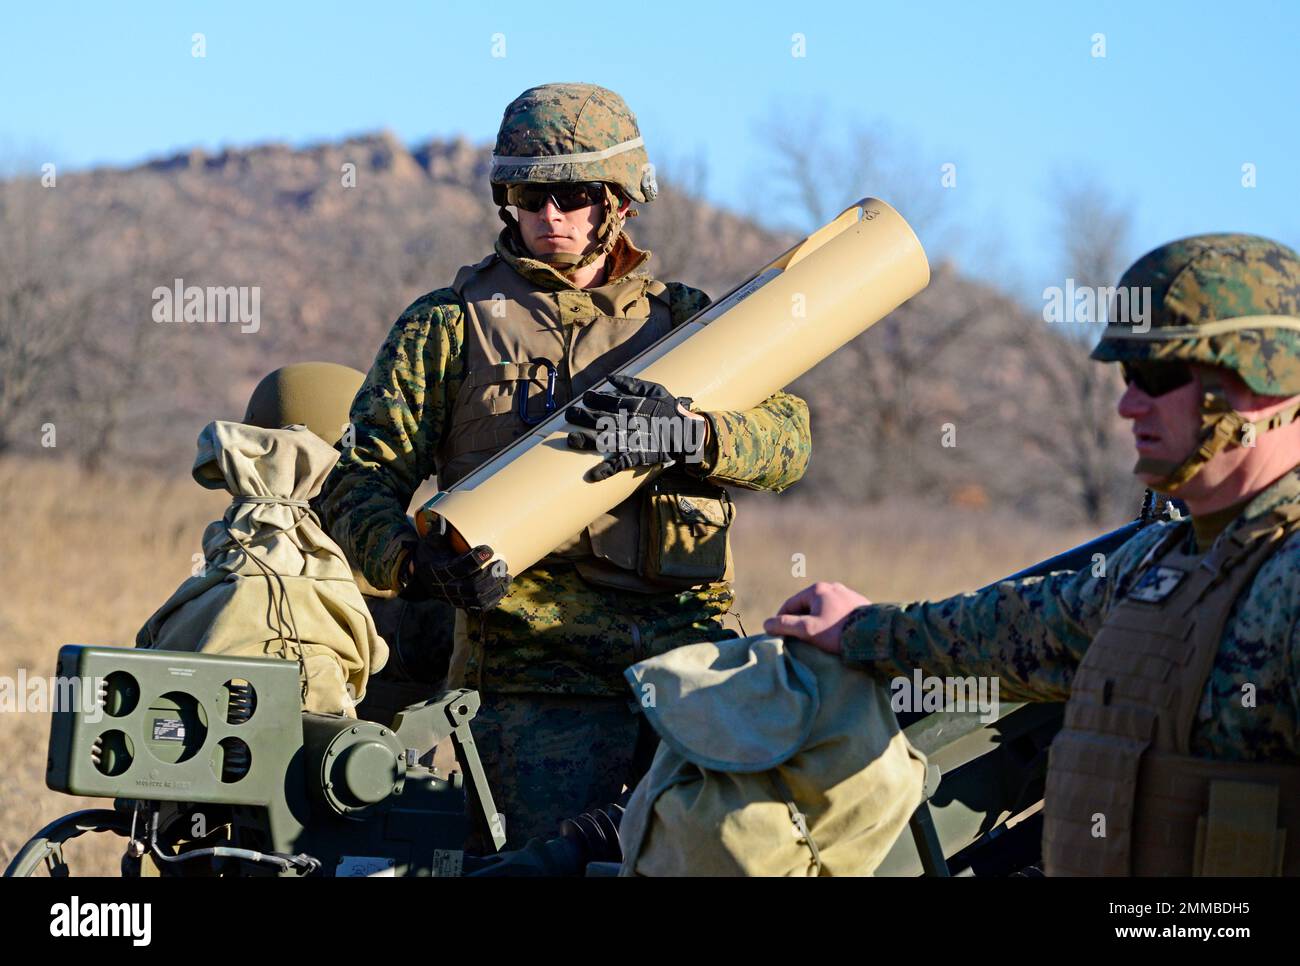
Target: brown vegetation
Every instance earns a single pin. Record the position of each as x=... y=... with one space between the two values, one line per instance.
x=334 y=265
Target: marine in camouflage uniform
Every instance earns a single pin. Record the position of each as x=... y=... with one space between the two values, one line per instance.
x=1177 y=657
x=556 y=732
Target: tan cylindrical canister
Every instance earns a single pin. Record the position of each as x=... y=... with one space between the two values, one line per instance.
x=532 y=496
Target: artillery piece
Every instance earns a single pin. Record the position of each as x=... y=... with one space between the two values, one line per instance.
x=215 y=771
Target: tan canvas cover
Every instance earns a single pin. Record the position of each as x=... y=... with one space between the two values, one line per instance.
x=273 y=583
x=774 y=760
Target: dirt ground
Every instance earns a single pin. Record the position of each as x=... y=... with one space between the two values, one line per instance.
x=87 y=560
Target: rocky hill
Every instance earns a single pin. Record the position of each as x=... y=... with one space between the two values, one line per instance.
x=336 y=239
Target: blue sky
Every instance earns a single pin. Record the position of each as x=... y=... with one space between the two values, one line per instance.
x=1010 y=93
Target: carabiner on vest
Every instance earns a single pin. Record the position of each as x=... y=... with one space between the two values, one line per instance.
x=548 y=406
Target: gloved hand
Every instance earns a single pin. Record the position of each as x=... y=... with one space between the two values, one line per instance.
x=639 y=424
x=431 y=568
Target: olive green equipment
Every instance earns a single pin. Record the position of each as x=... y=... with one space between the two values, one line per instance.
x=172 y=736
x=535 y=494
x=317 y=395
x=216 y=771
x=980 y=785
x=288 y=792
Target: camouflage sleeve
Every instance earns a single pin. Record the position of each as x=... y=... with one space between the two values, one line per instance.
x=1030 y=633
x=684 y=301
x=764 y=448
x=399 y=416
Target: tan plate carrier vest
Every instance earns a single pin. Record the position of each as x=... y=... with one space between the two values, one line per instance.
x=513 y=329
x=1124 y=794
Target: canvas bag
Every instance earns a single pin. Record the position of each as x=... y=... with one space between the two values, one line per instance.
x=775 y=760
x=273 y=583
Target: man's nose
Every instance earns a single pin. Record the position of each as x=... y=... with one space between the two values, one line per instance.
x=1134 y=402
x=550 y=210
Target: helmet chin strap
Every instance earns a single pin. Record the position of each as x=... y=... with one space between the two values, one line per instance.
x=569 y=262
x=1222 y=427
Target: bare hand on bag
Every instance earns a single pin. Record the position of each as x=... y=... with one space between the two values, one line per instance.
x=817 y=614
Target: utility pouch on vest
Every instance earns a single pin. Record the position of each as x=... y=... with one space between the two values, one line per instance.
x=486 y=416
x=684 y=526
x=1239 y=833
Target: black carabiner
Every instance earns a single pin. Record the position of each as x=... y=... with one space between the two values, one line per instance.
x=548 y=406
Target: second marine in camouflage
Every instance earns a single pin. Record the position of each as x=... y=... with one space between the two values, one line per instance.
x=564 y=300
x=1178 y=654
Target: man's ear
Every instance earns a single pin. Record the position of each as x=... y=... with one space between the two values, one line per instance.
x=622 y=208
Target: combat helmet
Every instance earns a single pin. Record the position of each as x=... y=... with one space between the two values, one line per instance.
x=317 y=395
x=1230 y=301
x=573 y=132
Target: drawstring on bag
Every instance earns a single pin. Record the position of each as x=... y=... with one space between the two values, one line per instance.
x=277 y=616
x=800 y=824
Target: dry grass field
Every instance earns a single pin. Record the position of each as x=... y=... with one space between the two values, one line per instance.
x=87 y=559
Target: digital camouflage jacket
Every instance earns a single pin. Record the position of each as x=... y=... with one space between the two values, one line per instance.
x=1032 y=633
x=554 y=632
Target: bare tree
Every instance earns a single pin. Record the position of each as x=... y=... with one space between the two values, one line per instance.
x=42 y=302
x=816 y=169
x=1036 y=416
x=881 y=402
x=877 y=403
x=698 y=243
x=675 y=225
x=1078 y=434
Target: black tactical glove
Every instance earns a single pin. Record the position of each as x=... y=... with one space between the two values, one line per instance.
x=433 y=569
x=639 y=424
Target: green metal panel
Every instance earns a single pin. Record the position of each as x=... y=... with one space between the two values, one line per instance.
x=167 y=726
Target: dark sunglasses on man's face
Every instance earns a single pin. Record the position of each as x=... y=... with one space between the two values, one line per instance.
x=568 y=196
x=1157 y=378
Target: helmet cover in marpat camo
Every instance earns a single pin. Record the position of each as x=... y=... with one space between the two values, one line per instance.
x=1228 y=300
x=571 y=132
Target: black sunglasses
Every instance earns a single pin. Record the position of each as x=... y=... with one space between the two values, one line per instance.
x=568 y=196
x=1157 y=378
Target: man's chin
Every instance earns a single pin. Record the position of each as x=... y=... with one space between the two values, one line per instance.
x=1157 y=484
x=555 y=254
x=1154 y=474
